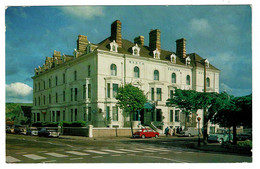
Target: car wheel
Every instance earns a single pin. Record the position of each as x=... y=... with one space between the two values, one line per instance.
x=143 y=136
x=156 y=136
x=189 y=135
x=221 y=141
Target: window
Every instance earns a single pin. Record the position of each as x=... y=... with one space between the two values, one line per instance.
x=58 y=116
x=39 y=101
x=187 y=61
x=89 y=70
x=64 y=96
x=152 y=94
x=49 y=98
x=156 y=75
x=71 y=94
x=76 y=94
x=173 y=58
x=159 y=94
x=43 y=84
x=53 y=116
x=115 y=113
x=136 y=72
x=49 y=83
x=115 y=89
x=35 y=101
x=84 y=114
x=113 y=46
x=84 y=91
x=38 y=116
x=158 y=115
x=89 y=113
x=44 y=100
x=171 y=115
x=89 y=91
x=35 y=87
x=64 y=78
x=171 y=94
x=76 y=114
x=63 y=115
x=75 y=75
x=107 y=113
x=56 y=97
x=108 y=90
x=56 y=81
x=177 y=115
x=208 y=82
x=39 y=86
x=113 y=70
x=188 y=80
x=173 y=78
x=156 y=54
x=136 y=50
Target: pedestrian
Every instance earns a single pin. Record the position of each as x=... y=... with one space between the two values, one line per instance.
x=180 y=129
x=170 y=131
x=173 y=133
x=166 y=131
x=177 y=130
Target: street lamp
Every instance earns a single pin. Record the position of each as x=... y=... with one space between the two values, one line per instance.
x=199 y=131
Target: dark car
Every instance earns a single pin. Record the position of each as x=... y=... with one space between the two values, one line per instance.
x=48 y=132
x=32 y=131
x=146 y=132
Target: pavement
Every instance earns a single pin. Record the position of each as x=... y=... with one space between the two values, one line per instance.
x=210 y=147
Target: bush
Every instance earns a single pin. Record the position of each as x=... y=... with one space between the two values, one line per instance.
x=247 y=143
x=74 y=124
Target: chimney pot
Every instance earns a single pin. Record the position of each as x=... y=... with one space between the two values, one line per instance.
x=139 y=40
x=181 y=47
x=155 y=40
x=82 y=43
x=116 y=32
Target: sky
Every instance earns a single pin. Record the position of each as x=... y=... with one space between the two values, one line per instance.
x=223 y=34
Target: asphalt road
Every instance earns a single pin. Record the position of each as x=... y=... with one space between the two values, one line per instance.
x=34 y=149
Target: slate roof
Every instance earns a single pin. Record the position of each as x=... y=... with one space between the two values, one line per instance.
x=145 y=52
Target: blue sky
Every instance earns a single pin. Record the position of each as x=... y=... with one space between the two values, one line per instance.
x=220 y=33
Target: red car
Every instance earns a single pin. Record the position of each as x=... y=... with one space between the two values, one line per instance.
x=146 y=132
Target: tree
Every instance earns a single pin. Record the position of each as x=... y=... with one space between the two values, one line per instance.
x=130 y=100
x=186 y=100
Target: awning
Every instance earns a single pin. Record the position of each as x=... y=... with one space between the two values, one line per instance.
x=148 y=105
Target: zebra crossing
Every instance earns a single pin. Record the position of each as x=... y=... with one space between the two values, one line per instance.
x=88 y=153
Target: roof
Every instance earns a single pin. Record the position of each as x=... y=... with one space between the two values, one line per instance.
x=145 y=52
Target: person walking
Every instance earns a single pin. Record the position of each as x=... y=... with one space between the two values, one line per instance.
x=166 y=131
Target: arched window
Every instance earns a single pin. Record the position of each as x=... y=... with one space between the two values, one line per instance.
x=156 y=75
x=113 y=70
x=75 y=75
x=208 y=82
x=136 y=72
x=188 y=80
x=135 y=51
x=173 y=78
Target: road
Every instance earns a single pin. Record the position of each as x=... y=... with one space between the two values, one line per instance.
x=33 y=149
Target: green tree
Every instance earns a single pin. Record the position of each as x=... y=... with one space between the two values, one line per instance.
x=130 y=100
x=186 y=100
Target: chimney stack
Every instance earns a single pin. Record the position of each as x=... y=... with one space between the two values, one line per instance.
x=116 y=32
x=181 y=48
x=82 y=43
x=139 y=40
x=155 y=40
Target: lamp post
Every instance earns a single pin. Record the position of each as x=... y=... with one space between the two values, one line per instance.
x=205 y=126
x=199 y=131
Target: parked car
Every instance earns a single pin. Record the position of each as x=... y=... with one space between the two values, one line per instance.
x=32 y=131
x=191 y=131
x=146 y=132
x=221 y=136
x=48 y=132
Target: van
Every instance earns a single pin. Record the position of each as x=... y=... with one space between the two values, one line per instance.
x=191 y=131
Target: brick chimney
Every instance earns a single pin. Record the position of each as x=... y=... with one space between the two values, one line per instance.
x=181 y=48
x=155 y=40
x=116 y=32
x=139 y=40
x=82 y=43
x=56 y=54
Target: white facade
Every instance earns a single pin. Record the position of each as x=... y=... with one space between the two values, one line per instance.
x=86 y=87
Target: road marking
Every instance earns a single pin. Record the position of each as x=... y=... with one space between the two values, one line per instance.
x=163 y=153
x=97 y=156
x=51 y=161
x=97 y=152
x=42 y=151
x=158 y=149
x=34 y=157
x=21 y=153
x=134 y=151
x=80 y=158
x=113 y=151
x=10 y=159
x=149 y=150
x=116 y=155
x=56 y=154
x=177 y=152
x=131 y=154
x=77 y=153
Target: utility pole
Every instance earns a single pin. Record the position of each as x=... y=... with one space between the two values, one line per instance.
x=205 y=121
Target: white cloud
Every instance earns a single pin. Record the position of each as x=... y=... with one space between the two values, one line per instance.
x=200 y=25
x=17 y=89
x=87 y=12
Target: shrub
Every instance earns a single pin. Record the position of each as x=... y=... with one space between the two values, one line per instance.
x=247 y=143
x=74 y=124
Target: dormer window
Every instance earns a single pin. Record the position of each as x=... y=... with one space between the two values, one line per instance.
x=89 y=47
x=156 y=54
x=187 y=61
x=136 y=50
x=113 y=46
x=75 y=53
x=207 y=63
x=173 y=58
